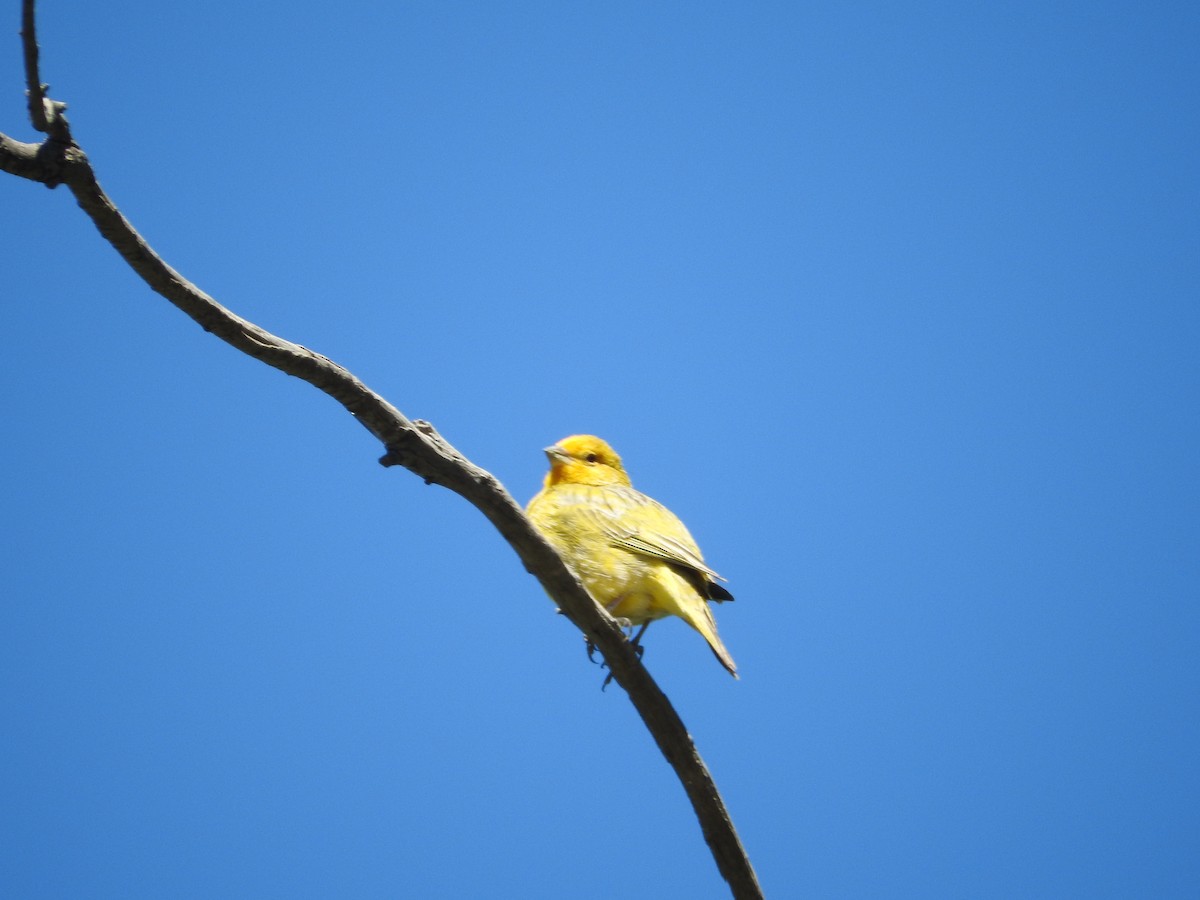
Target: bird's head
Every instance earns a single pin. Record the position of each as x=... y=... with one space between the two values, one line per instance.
x=584 y=459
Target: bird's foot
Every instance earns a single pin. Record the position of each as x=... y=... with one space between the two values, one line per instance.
x=591 y=652
x=636 y=641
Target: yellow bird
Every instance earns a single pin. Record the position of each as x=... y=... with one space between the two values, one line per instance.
x=632 y=553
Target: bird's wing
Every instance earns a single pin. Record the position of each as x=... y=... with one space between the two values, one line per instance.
x=665 y=548
x=659 y=534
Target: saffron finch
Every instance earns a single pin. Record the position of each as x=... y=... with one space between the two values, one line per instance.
x=634 y=556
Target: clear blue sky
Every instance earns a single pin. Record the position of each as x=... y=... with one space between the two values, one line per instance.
x=898 y=306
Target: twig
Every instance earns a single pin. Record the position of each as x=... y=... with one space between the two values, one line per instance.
x=46 y=115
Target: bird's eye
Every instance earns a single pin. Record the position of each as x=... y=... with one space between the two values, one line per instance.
x=591 y=457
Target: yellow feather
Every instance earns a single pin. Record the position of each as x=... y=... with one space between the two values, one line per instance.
x=632 y=553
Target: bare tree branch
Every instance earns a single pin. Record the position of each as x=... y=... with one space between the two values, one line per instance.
x=414 y=445
x=46 y=115
x=22 y=159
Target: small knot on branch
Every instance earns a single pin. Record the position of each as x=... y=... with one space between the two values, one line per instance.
x=395 y=456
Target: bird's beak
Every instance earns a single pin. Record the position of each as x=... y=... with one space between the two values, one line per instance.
x=557 y=455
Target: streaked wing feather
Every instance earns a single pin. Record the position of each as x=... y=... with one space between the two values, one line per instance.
x=667 y=549
x=678 y=549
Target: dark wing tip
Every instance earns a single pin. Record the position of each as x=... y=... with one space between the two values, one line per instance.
x=718 y=593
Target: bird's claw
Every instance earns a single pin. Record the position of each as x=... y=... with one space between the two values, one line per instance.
x=591 y=652
x=635 y=642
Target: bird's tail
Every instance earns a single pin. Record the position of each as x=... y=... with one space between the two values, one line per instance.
x=695 y=611
x=719 y=651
